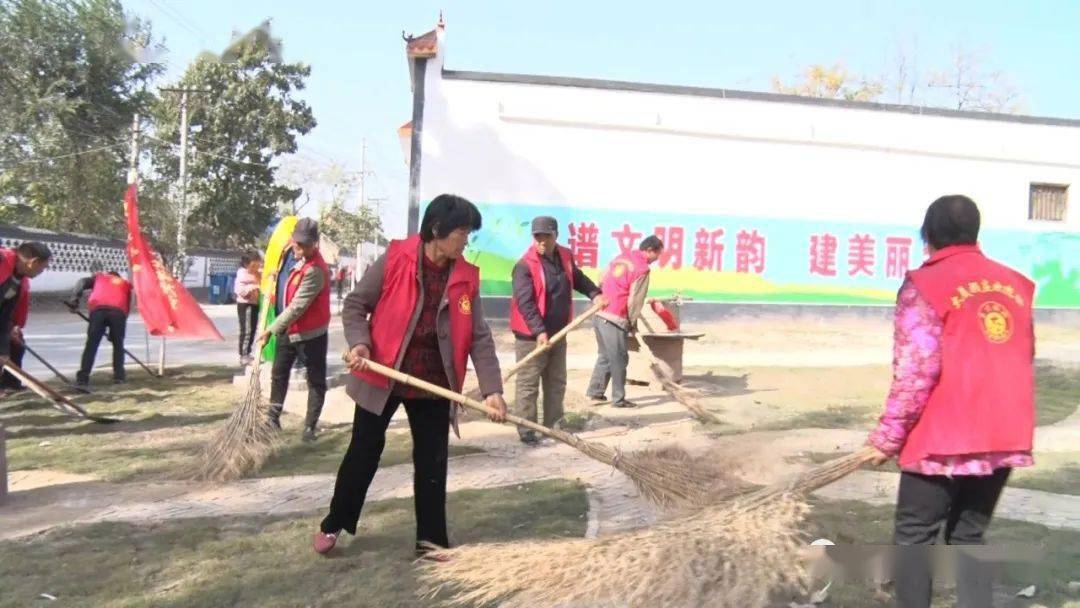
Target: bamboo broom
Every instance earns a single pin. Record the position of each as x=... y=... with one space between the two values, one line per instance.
x=247 y=439
x=737 y=553
x=666 y=376
x=665 y=477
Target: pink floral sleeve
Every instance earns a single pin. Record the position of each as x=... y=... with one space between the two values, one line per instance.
x=916 y=368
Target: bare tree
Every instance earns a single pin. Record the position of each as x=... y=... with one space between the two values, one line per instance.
x=969 y=83
x=905 y=82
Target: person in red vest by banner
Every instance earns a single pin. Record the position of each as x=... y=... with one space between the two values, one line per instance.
x=426 y=320
x=625 y=285
x=109 y=305
x=17 y=267
x=544 y=281
x=302 y=327
x=961 y=412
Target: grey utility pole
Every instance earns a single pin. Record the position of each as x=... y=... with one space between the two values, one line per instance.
x=180 y=270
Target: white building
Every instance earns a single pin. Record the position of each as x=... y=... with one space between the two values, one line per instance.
x=760 y=197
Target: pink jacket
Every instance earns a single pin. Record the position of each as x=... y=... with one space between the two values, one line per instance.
x=247 y=287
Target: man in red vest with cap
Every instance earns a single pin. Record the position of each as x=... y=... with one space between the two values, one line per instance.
x=961 y=412
x=625 y=285
x=302 y=326
x=544 y=281
x=109 y=305
x=17 y=267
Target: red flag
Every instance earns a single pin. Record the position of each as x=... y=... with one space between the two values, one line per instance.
x=165 y=306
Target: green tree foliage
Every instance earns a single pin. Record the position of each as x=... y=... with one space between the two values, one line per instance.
x=68 y=88
x=348 y=229
x=245 y=116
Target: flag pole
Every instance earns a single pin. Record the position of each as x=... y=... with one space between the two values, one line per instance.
x=161 y=359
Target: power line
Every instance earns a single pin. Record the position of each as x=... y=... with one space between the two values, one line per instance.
x=62 y=156
x=173 y=15
x=218 y=156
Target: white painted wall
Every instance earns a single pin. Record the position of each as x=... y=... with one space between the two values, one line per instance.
x=506 y=142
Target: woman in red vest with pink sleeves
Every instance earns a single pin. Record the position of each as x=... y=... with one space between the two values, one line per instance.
x=426 y=320
x=961 y=411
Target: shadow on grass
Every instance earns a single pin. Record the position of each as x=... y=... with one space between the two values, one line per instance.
x=853 y=522
x=713 y=385
x=267 y=561
x=1057 y=394
x=833 y=417
x=324 y=455
x=46 y=427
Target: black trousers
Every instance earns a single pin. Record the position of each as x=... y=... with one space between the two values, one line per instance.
x=957 y=508
x=16 y=352
x=249 y=321
x=314 y=353
x=429 y=422
x=115 y=321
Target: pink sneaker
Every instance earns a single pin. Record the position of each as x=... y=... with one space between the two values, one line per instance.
x=324 y=542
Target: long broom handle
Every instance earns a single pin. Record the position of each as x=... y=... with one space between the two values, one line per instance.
x=644 y=345
x=42 y=360
x=543 y=348
x=126 y=351
x=45 y=392
x=468 y=402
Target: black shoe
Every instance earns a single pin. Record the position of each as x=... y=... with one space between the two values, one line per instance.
x=624 y=403
x=274 y=416
x=119 y=381
x=81 y=383
x=424 y=552
x=309 y=433
x=598 y=398
x=529 y=437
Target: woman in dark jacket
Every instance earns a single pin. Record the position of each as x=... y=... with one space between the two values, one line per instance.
x=425 y=320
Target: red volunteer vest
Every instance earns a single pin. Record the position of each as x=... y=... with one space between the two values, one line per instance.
x=397 y=304
x=110 y=291
x=22 y=306
x=619 y=278
x=536 y=269
x=985 y=398
x=317 y=315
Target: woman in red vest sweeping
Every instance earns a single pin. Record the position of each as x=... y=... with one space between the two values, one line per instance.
x=17 y=267
x=960 y=414
x=426 y=321
x=109 y=305
x=302 y=326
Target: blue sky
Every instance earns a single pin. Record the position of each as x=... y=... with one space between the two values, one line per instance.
x=359 y=85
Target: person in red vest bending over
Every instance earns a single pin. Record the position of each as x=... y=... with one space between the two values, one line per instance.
x=302 y=327
x=625 y=285
x=416 y=309
x=961 y=412
x=544 y=281
x=17 y=267
x=109 y=305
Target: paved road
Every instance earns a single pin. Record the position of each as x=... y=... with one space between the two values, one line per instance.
x=59 y=337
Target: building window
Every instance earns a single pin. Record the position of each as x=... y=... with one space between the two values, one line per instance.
x=1048 y=202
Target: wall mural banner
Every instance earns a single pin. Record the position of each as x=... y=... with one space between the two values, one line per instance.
x=723 y=258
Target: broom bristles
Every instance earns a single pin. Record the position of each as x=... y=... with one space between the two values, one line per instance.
x=737 y=553
x=682 y=394
x=723 y=556
x=243 y=444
